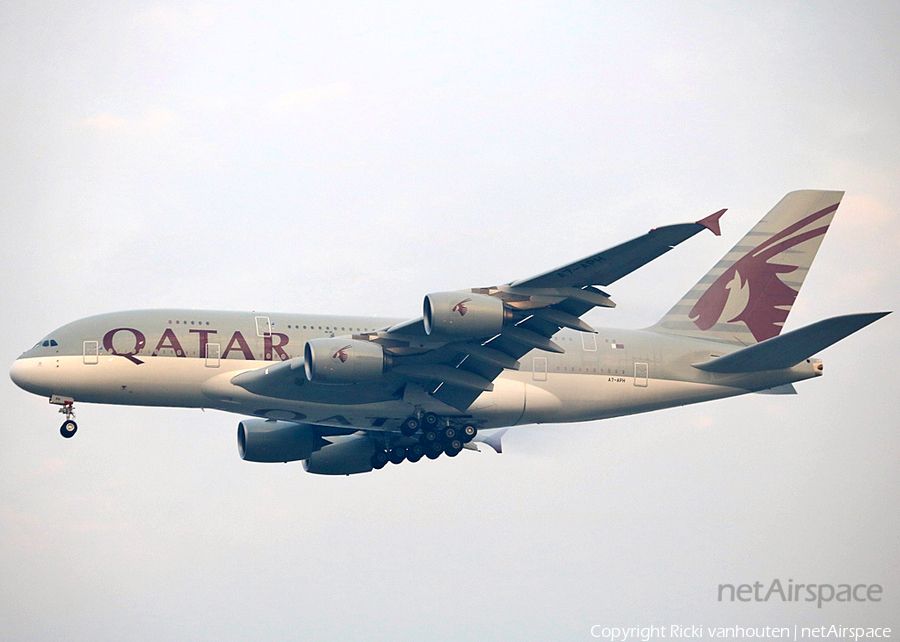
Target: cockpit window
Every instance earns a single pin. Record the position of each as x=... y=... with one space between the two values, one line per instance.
x=46 y=343
x=53 y=342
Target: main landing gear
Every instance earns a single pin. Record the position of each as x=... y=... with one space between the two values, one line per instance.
x=436 y=436
x=69 y=427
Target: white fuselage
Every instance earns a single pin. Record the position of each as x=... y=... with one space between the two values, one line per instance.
x=188 y=358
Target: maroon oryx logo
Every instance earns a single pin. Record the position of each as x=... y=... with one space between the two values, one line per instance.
x=461 y=307
x=768 y=299
x=342 y=354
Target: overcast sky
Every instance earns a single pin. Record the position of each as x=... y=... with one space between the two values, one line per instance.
x=352 y=157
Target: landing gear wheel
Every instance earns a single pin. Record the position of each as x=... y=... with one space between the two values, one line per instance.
x=397 y=455
x=434 y=450
x=430 y=421
x=409 y=426
x=415 y=452
x=379 y=459
x=429 y=437
x=453 y=448
x=448 y=434
x=467 y=433
x=68 y=429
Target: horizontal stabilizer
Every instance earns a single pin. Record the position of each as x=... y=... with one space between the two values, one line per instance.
x=789 y=349
x=785 y=389
x=492 y=438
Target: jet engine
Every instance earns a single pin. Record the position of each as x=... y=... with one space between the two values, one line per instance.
x=270 y=441
x=345 y=455
x=463 y=314
x=336 y=360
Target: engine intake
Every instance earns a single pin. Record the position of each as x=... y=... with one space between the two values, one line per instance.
x=463 y=314
x=336 y=360
x=270 y=441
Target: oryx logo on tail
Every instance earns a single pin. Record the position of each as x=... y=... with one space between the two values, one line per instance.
x=751 y=291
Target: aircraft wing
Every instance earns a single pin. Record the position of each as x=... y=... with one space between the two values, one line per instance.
x=465 y=339
x=603 y=268
x=610 y=265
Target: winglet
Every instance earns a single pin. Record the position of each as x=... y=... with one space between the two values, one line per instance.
x=712 y=222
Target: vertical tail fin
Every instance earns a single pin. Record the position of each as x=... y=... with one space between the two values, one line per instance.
x=748 y=295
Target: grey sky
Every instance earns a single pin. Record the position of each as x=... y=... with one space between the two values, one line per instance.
x=352 y=157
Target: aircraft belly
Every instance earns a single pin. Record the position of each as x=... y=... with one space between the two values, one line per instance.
x=577 y=397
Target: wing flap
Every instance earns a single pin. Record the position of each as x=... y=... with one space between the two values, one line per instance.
x=491 y=357
x=454 y=376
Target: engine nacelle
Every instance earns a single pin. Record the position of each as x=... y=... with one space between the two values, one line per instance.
x=463 y=314
x=345 y=455
x=336 y=360
x=270 y=441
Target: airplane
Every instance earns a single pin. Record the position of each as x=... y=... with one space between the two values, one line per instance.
x=347 y=395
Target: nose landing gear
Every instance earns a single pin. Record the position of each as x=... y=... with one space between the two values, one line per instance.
x=69 y=427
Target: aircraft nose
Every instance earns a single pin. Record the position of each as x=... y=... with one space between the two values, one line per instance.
x=29 y=375
x=17 y=373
